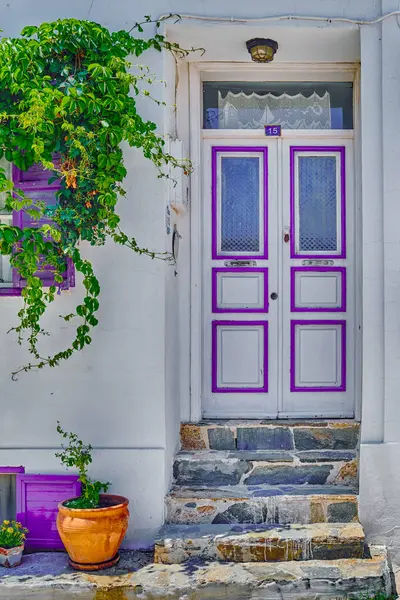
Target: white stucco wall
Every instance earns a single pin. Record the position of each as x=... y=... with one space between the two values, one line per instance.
x=380 y=452
x=124 y=394
x=116 y=394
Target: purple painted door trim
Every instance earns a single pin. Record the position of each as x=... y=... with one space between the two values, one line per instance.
x=214 y=288
x=342 y=152
x=37 y=499
x=343 y=303
x=293 y=387
x=214 y=220
x=214 y=359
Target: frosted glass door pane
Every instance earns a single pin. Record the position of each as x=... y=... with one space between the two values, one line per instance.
x=317 y=203
x=240 y=204
x=291 y=104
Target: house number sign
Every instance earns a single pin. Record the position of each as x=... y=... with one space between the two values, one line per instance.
x=273 y=130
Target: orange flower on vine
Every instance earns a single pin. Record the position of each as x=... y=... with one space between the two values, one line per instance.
x=69 y=171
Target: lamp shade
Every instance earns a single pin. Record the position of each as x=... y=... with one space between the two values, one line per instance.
x=262 y=50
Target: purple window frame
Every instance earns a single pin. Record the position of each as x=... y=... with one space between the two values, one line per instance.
x=11 y=470
x=16 y=289
x=214 y=359
x=214 y=289
x=342 y=151
x=343 y=303
x=293 y=387
x=214 y=219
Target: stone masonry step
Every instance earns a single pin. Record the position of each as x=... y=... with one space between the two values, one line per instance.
x=270 y=435
x=312 y=580
x=261 y=467
x=277 y=505
x=44 y=575
x=238 y=543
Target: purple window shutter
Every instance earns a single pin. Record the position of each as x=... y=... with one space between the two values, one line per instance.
x=38 y=497
x=34 y=182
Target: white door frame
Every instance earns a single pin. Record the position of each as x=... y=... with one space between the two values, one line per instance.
x=252 y=72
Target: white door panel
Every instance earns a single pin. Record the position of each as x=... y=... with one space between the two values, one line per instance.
x=240 y=270
x=318 y=279
x=320 y=289
x=234 y=369
x=278 y=309
x=318 y=351
x=240 y=289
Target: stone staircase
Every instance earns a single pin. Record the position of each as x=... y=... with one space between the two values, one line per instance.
x=268 y=492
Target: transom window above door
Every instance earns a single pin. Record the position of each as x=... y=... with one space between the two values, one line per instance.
x=293 y=105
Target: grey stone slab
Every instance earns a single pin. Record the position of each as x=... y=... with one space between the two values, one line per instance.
x=254 y=491
x=262 y=455
x=216 y=422
x=277 y=422
x=310 y=474
x=312 y=580
x=329 y=438
x=342 y=512
x=212 y=473
x=258 y=543
x=295 y=422
x=276 y=491
x=264 y=438
x=336 y=551
x=242 y=512
x=182 y=531
x=318 y=456
x=271 y=505
x=291 y=532
x=221 y=438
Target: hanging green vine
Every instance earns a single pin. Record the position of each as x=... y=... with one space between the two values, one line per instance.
x=67 y=89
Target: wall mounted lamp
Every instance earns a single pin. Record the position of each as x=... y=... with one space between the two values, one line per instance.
x=262 y=50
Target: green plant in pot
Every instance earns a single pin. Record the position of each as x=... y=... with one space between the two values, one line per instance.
x=12 y=543
x=93 y=525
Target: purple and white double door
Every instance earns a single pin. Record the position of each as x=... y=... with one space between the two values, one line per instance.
x=278 y=278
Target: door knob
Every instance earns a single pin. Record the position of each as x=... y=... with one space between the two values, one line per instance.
x=274 y=296
x=286 y=234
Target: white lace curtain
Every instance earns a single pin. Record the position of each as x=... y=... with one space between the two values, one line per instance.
x=253 y=111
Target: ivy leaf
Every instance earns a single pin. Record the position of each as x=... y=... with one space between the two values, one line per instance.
x=102 y=161
x=8 y=235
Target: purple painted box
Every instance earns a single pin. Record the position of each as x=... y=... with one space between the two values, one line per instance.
x=38 y=497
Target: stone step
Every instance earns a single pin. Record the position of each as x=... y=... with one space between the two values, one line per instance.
x=278 y=505
x=245 y=543
x=271 y=435
x=314 y=579
x=220 y=468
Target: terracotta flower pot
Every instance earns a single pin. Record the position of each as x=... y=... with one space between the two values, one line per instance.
x=11 y=557
x=92 y=536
